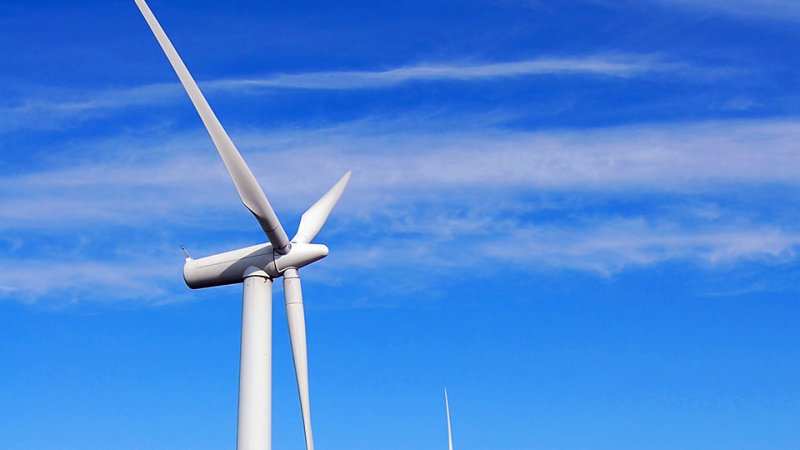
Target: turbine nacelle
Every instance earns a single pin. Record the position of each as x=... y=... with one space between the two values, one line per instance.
x=229 y=267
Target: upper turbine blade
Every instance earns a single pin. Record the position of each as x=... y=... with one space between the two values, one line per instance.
x=297 y=336
x=249 y=190
x=314 y=218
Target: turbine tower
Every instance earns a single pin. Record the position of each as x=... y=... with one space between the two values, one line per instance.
x=449 y=431
x=255 y=267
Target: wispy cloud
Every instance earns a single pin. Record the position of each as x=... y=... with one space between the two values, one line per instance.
x=613 y=66
x=183 y=170
x=543 y=199
x=68 y=281
x=612 y=246
x=58 y=108
x=772 y=9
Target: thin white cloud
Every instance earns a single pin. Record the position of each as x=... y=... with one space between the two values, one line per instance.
x=614 y=66
x=434 y=192
x=405 y=165
x=58 y=108
x=68 y=281
x=388 y=155
x=772 y=9
x=617 y=244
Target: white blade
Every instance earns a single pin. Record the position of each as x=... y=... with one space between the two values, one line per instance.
x=249 y=190
x=314 y=218
x=297 y=335
x=449 y=431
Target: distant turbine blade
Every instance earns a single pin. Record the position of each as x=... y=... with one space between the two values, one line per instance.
x=249 y=190
x=297 y=335
x=449 y=431
x=314 y=218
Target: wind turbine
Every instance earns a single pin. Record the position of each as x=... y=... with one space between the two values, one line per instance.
x=256 y=267
x=449 y=430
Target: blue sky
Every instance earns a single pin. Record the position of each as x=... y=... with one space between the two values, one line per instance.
x=579 y=216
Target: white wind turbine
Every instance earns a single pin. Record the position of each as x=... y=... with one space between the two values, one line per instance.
x=256 y=267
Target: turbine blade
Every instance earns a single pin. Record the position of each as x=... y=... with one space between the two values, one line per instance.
x=297 y=335
x=314 y=218
x=449 y=431
x=249 y=190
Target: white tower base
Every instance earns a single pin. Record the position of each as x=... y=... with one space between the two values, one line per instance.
x=254 y=430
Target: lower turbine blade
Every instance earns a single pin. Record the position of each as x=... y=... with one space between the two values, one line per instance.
x=295 y=315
